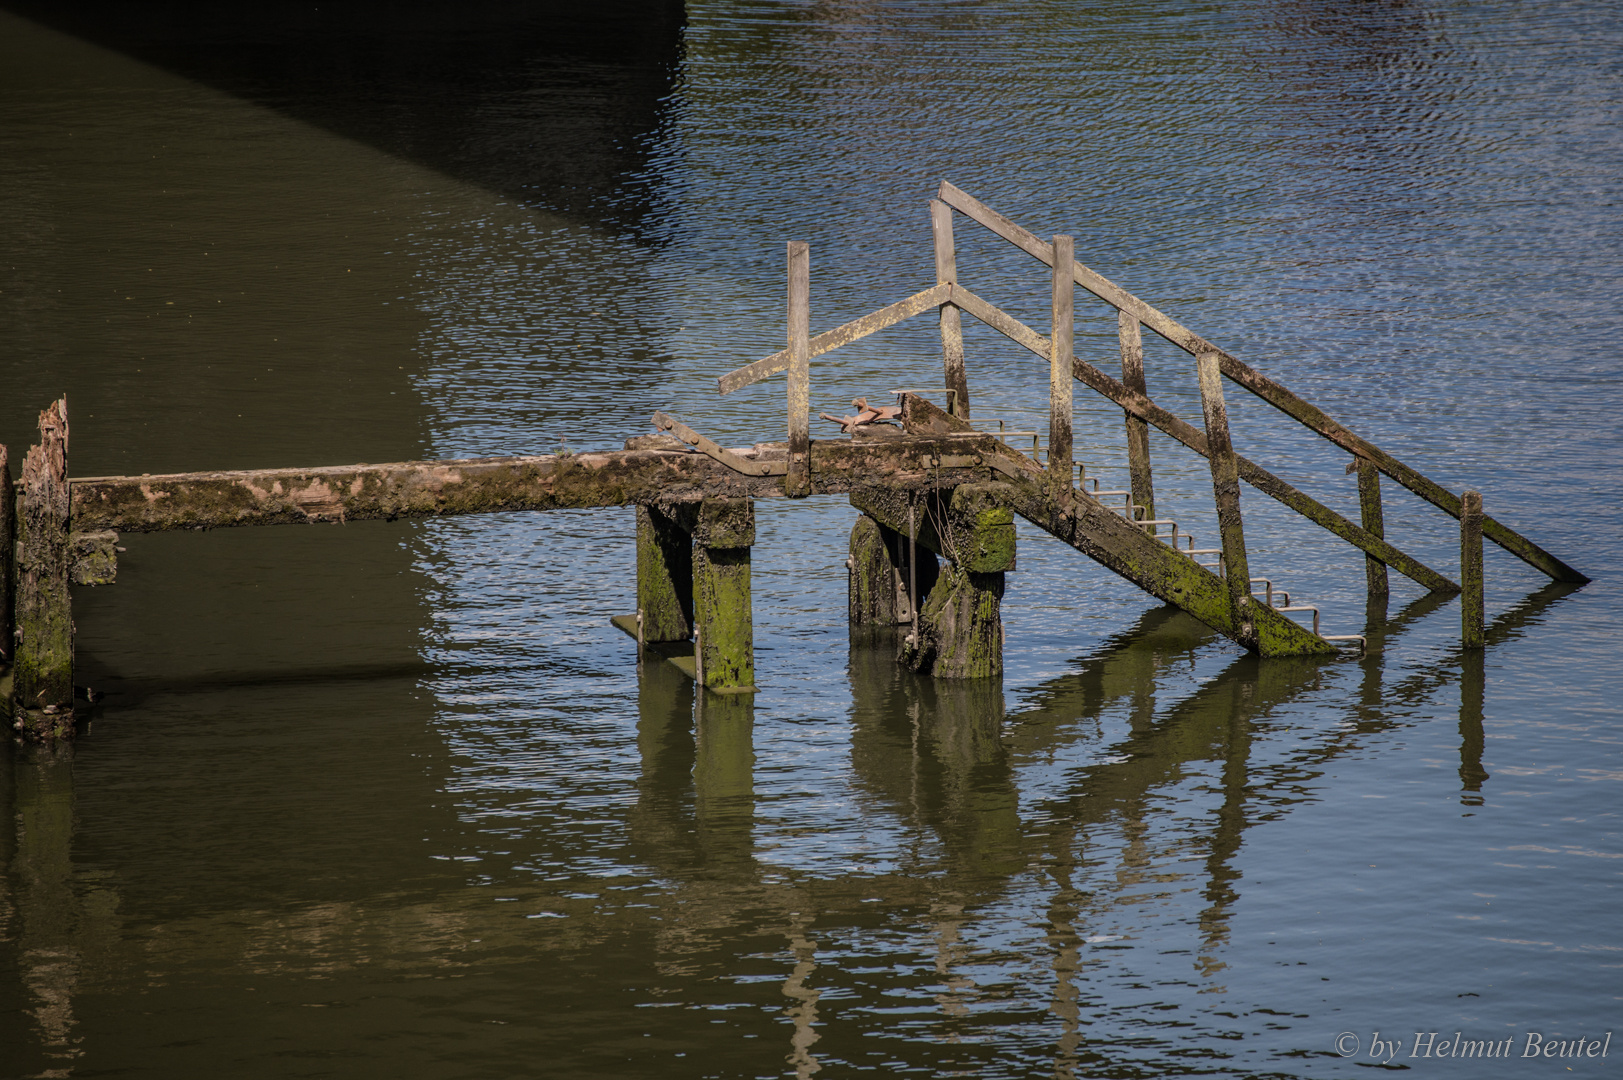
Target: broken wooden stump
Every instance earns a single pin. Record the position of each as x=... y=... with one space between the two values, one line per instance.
x=958 y=632
x=8 y=558
x=693 y=579
x=93 y=557
x=43 y=675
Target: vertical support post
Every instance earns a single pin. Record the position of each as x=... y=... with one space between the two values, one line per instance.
x=44 y=661
x=1061 y=347
x=1471 y=629
x=724 y=648
x=664 y=578
x=1226 y=491
x=1369 y=503
x=1138 y=431
x=8 y=557
x=952 y=333
x=798 y=483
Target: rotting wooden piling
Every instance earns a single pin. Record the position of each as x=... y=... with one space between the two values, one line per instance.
x=43 y=683
x=1374 y=521
x=879 y=574
x=8 y=559
x=1471 y=600
x=724 y=635
x=664 y=579
x=960 y=633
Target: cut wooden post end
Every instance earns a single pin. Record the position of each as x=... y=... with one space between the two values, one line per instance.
x=44 y=655
x=1369 y=503
x=1471 y=606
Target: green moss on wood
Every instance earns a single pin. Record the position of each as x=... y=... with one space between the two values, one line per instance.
x=960 y=628
x=664 y=577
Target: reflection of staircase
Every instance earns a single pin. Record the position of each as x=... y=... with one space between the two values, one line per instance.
x=1214 y=583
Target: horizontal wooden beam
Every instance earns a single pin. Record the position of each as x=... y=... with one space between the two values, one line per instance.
x=855 y=330
x=1298 y=409
x=212 y=500
x=1192 y=437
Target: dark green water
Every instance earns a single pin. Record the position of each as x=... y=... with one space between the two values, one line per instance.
x=395 y=799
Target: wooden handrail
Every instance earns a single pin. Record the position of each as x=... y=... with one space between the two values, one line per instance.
x=1252 y=473
x=826 y=342
x=1263 y=387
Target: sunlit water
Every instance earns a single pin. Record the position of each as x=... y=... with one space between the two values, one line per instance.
x=396 y=800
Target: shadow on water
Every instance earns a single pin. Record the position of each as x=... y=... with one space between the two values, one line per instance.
x=549 y=103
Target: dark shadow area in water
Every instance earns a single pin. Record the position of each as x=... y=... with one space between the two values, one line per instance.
x=547 y=102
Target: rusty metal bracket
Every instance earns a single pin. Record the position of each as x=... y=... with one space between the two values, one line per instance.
x=711 y=449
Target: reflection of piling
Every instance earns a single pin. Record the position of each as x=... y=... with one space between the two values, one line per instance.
x=724 y=773
x=1472 y=741
x=48 y=912
x=44 y=654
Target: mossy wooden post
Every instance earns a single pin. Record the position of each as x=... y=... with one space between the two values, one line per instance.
x=44 y=657
x=724 y=634
x=798 y=483
x=952 y=333
x=1138 y=430
x=961 y=624
x=878 y=564
x=8 y=557
x=1226 y=491
x=664 y=577
x=1374 y=521
x=1471 y=631
x=1059 y=368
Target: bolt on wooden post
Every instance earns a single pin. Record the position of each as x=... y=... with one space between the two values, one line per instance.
x=1472 y=634
x=952 y=334
x=1060 y=349
x=43 y=675
x=1138 y=430
x=797 y=484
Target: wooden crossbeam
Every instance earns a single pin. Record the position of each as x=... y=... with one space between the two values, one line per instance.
x=1259 y=384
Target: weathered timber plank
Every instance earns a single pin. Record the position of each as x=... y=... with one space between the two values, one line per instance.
x=1192 y=437
x=1225 y=485
x=1062 y=310
x=1298 y=409
x=1471 y=617
x=956 y=378
x=828 y=341
x=44 y=658
x=1108 y=539
x=8 y=556
x=1374 y=519
x=798 y=482
x=211 y=500
x=1138 y=431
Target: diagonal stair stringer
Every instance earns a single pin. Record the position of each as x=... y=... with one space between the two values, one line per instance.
x=1110 y=540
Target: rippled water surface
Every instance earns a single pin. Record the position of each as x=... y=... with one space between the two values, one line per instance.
x=394 y=799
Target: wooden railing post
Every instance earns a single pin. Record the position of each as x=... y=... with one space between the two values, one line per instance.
x=952 y=334
x=798 y=483
x=8 y=556
x=1138 y=431
x=1059 y=367
x=1225 y=488
x=1369 y=503
x=1471 y=629
x=44 y=661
